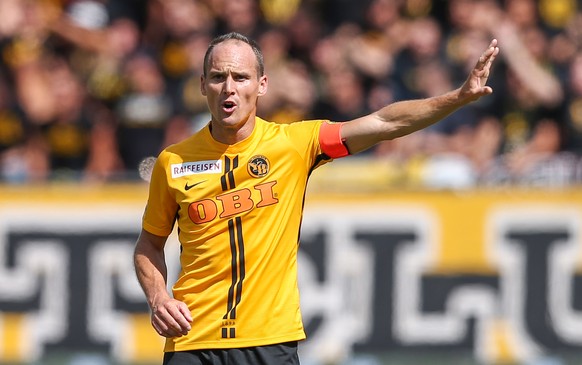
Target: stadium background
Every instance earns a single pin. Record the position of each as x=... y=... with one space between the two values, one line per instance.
x=459 y=244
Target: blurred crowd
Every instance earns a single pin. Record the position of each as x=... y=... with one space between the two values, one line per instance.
x=89 y=88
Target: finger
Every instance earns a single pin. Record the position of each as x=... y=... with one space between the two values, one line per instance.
x=486 y=58
x=157 y=327
x=179 y=321
x=167 y=321
x=490 y=53
x=183 y=325
x=163 y=329
x=493 y=55
x=186 y=312
x=171 y=333
x=492 y=47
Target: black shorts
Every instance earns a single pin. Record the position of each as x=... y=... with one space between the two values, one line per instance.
x=279 y=354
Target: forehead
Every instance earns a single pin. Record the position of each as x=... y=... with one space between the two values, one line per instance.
x=233 y=54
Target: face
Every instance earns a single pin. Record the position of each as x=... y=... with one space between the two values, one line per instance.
x=232 y=87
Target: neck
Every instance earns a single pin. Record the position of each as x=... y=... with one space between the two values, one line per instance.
x=231 y=134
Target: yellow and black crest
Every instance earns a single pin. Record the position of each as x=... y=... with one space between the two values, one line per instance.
x=258 y=166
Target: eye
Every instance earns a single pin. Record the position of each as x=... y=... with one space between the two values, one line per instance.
x=240 y=77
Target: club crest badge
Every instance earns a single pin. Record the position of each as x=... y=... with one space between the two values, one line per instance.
x=258 y=166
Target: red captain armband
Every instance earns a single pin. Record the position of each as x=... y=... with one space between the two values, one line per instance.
x=331 y=141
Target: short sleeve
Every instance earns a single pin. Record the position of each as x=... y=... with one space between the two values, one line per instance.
x=161 y=209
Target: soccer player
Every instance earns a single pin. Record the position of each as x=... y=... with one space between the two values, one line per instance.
x=236 y=190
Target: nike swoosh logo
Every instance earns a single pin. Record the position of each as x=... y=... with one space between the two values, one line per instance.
x=188 y=187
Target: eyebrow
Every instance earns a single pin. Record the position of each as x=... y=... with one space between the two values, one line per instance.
x=212 y=72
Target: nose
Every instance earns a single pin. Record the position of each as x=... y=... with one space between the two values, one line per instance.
x=228 y=86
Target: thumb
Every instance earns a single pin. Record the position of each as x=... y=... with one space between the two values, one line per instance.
x=486 y=90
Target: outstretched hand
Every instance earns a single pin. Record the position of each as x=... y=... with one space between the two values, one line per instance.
x=475 y=85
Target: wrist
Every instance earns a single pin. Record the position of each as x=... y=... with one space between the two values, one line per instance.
x=157 y=298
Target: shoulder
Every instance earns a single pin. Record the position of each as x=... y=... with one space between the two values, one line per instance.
x=198 y=138
x=300 y=125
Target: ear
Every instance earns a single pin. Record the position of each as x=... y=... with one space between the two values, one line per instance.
x=203 y=85
x=263 y=83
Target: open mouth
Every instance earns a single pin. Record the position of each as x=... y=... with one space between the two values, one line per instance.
x=228 y=106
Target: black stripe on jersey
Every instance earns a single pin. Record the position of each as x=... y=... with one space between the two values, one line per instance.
x=227 y=180
x=233 y=266
x=223 y=181
x=241 y=252
x=229 y=332
x=318 y=160
x=238 y=267
x=231 y=172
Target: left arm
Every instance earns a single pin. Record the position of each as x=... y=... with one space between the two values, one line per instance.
x=404 y=117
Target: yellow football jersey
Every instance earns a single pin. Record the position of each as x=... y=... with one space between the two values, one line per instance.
x=239 y=210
